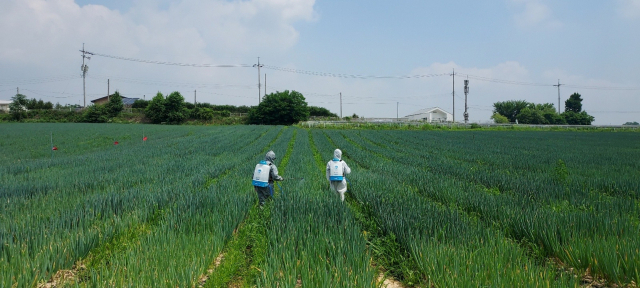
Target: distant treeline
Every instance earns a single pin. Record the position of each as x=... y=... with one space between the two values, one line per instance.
x=170 y=109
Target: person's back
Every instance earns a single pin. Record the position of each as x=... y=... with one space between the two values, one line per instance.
x=264 y=176
x=337 y=169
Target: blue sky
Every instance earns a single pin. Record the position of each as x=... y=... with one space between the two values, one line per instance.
x=589 y=45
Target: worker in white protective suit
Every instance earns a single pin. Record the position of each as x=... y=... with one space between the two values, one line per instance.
x=264 y=176
x=336 y=172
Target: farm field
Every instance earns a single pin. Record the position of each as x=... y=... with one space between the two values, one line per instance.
x=427 y=208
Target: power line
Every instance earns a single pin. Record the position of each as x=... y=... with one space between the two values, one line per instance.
x=353 y=76
x=39 y=80
x=602 y=88
x=174 y=63
x=169 y=83
x=513 y=82
x=502 y=81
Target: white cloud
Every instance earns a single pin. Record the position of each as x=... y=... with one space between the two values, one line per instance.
x=535 y=14
x=37 y=29
x=629 y=8
x=41 y=38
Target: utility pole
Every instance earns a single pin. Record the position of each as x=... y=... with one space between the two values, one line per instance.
x=108 y=93
x=558 y=94
x=194 y=98
x=265 y=83
x=466 y=92
x=397 y=104
x=454 y=95
x=340 y=105
x=17 y=90
x=258 y=65
x=84 y=68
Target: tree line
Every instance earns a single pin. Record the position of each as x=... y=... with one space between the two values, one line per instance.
x=279 y=108
x=523 y=112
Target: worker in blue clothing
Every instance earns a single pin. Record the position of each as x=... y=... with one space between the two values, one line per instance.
x=264 y=176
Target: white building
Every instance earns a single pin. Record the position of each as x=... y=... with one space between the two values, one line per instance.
x=431 y=115
x=4 y=105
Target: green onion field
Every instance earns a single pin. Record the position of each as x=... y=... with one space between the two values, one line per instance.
x=426 y=208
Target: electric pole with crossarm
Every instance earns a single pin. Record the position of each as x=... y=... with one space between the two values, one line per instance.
x=84 y=68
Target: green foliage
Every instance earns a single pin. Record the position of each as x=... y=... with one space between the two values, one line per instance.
x=17 y=106
x=34 y=104
x=581 y=118
x=156 y=111
x=527 y=113
x=554 y=118
x=435 y=209
x=280 y=108
x=631 y=123
x=245 y=251
x=510 y=109
x=320 y=112
x=531 y=116
x=202 y=113
x=560 y=171
x=175 y=108
x=574 y=103
x=95 y=114
x=114 y=107
x=499 y=118
x=140 y=104
x=540 y=114
x=573 y=111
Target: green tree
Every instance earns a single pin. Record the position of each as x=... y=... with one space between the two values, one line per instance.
x=155 y=111
x=574 y=103
x=114 y=107
x=31 y=104
x=280 y=108
x=140 y=104
x=95 y=114
x=531 y=115
x=581 y=118
x=320 y=112
x=510 y=109
x=554 y=118
x=573 y=113
x=202 y=113
x=499 y=118
x=17 y=106
x=631 y=123
x=540 y=114
x=175 y=108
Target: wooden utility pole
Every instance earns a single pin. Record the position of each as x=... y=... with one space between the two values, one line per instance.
x=84 y=68
x=558 y=94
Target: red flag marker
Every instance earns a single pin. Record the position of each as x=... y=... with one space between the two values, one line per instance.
x=144 y=138
x=116 y=143
x=54 y=148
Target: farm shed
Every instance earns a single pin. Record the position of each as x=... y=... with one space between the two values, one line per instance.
x=430 y=115
x=127 y=102
x=4 y=105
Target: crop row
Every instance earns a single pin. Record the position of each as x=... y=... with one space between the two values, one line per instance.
x=601 y=235
x=156 y=187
